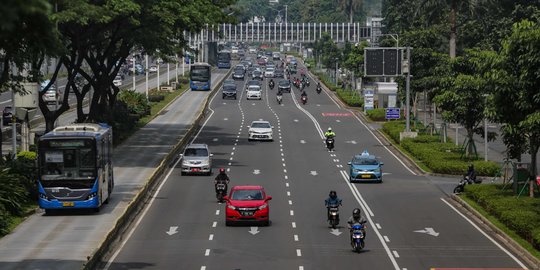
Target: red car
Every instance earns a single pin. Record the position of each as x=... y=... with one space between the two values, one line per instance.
x=247 y=204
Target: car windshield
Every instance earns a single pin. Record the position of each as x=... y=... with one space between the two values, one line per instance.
x=254 y=88
x=229 y=87
x=284 y=83
x=229 y=81
x=247 y=195
x=196 y=152
x=260 y=125
x=364 y=161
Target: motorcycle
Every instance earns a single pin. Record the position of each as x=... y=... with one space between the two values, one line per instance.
x=357 y=241
x=279 y=99
x=330 y=144
x=319 y=89
x=304 y=100
x=333 y=215
x=221 y=190
x=463 y=182
x=307 y=83
x=271 y=85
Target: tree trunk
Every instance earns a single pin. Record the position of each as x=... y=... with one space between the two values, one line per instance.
x=453 y=29
x=471 y=145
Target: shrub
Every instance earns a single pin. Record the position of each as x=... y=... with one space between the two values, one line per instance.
x=25 y=167
x=378 y=114
x=136 y=102
x=352 y=98
x=12 y=193
x=393 y=128
x=521 y=215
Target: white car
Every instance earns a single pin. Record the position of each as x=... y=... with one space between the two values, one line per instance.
x=117 y=81
x=269 y=72
x=152 y=69
x=254 y=92
x=260 y=130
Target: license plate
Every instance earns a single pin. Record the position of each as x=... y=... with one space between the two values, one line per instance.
x=195 y=169
x=366 y=176
x=68 y=204
x=249 y=213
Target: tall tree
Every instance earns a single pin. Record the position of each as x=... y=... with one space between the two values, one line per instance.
x=514 y=76
x=350 y=7
x=103 y=34
x=468 y=7
x=462 y=97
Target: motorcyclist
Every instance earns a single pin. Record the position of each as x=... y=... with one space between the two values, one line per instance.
x=271 y=83
x=471 y=174
x=332 y=200
x=355 y=219
x=329 y=133
x=222 y=178
x=279 y=96
x=304 y=94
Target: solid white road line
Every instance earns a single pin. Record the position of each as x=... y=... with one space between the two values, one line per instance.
x=360 y=202
x=486 y=235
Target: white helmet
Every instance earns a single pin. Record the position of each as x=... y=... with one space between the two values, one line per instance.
x=329 y=129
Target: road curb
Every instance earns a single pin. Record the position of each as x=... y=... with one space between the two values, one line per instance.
x=124 y=222
x=495 y=232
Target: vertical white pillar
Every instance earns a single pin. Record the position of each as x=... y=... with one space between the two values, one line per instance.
x=303 y=32
x=332 y=30
x=146 y=84
x=168 y=76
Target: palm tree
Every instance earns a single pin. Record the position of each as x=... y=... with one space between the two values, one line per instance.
x=350 y=6
x=469 y=6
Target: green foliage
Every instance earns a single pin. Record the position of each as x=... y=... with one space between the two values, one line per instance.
x=135 y=101
x=393 y=128
x=522 y=215
x=439 y=157
x=352 y=98
x=12 y=193
x=378 y=114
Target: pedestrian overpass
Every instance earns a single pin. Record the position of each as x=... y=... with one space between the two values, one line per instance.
x=282 y=32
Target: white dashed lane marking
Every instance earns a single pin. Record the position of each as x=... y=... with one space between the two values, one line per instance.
x=207 y=252
x=211 y=237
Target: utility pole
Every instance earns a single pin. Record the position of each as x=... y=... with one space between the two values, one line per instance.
x=146 y=58
x=407 y=95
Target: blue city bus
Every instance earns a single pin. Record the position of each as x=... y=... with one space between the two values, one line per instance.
x=224 y=59
x=75 y=167
x=200 y=76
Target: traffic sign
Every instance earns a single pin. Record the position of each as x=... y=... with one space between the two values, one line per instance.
x=381 y=62
x=392 y=113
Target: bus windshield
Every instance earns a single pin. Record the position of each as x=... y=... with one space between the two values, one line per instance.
x=201 y=74
x=224 y=57
x=67 y=159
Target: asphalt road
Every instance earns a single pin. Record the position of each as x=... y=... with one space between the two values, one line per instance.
x=64 y=240
x=411 y=224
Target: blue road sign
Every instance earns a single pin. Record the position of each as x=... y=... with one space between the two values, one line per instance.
x=392 y=113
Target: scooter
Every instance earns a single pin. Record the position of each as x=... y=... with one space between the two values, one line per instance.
x=333 y=215
x=330 y=144
x=304 y=100
x=221 y=190
x=357 y=241
x=279 y=99
x=319 y=89
x=463 y=182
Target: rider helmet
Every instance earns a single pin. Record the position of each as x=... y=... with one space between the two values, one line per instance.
x=356 y=213
x=329 y=129
x=222 y=170
x=333 y=194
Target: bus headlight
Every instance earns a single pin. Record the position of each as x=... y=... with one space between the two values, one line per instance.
x=92 y=195
x=43 y=196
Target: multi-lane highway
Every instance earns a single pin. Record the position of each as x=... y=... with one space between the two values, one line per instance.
x=411 y=224
x=66 y=240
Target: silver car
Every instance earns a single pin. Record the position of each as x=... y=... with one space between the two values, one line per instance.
x=196 y=159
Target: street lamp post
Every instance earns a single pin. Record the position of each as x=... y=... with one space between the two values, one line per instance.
x=485 y=129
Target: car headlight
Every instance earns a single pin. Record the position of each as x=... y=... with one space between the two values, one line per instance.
x=231 y=207
x=356 y=170
x=263 y=206
x=377 y=170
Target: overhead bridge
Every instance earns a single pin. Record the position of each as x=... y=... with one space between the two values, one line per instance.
x=284 y=32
